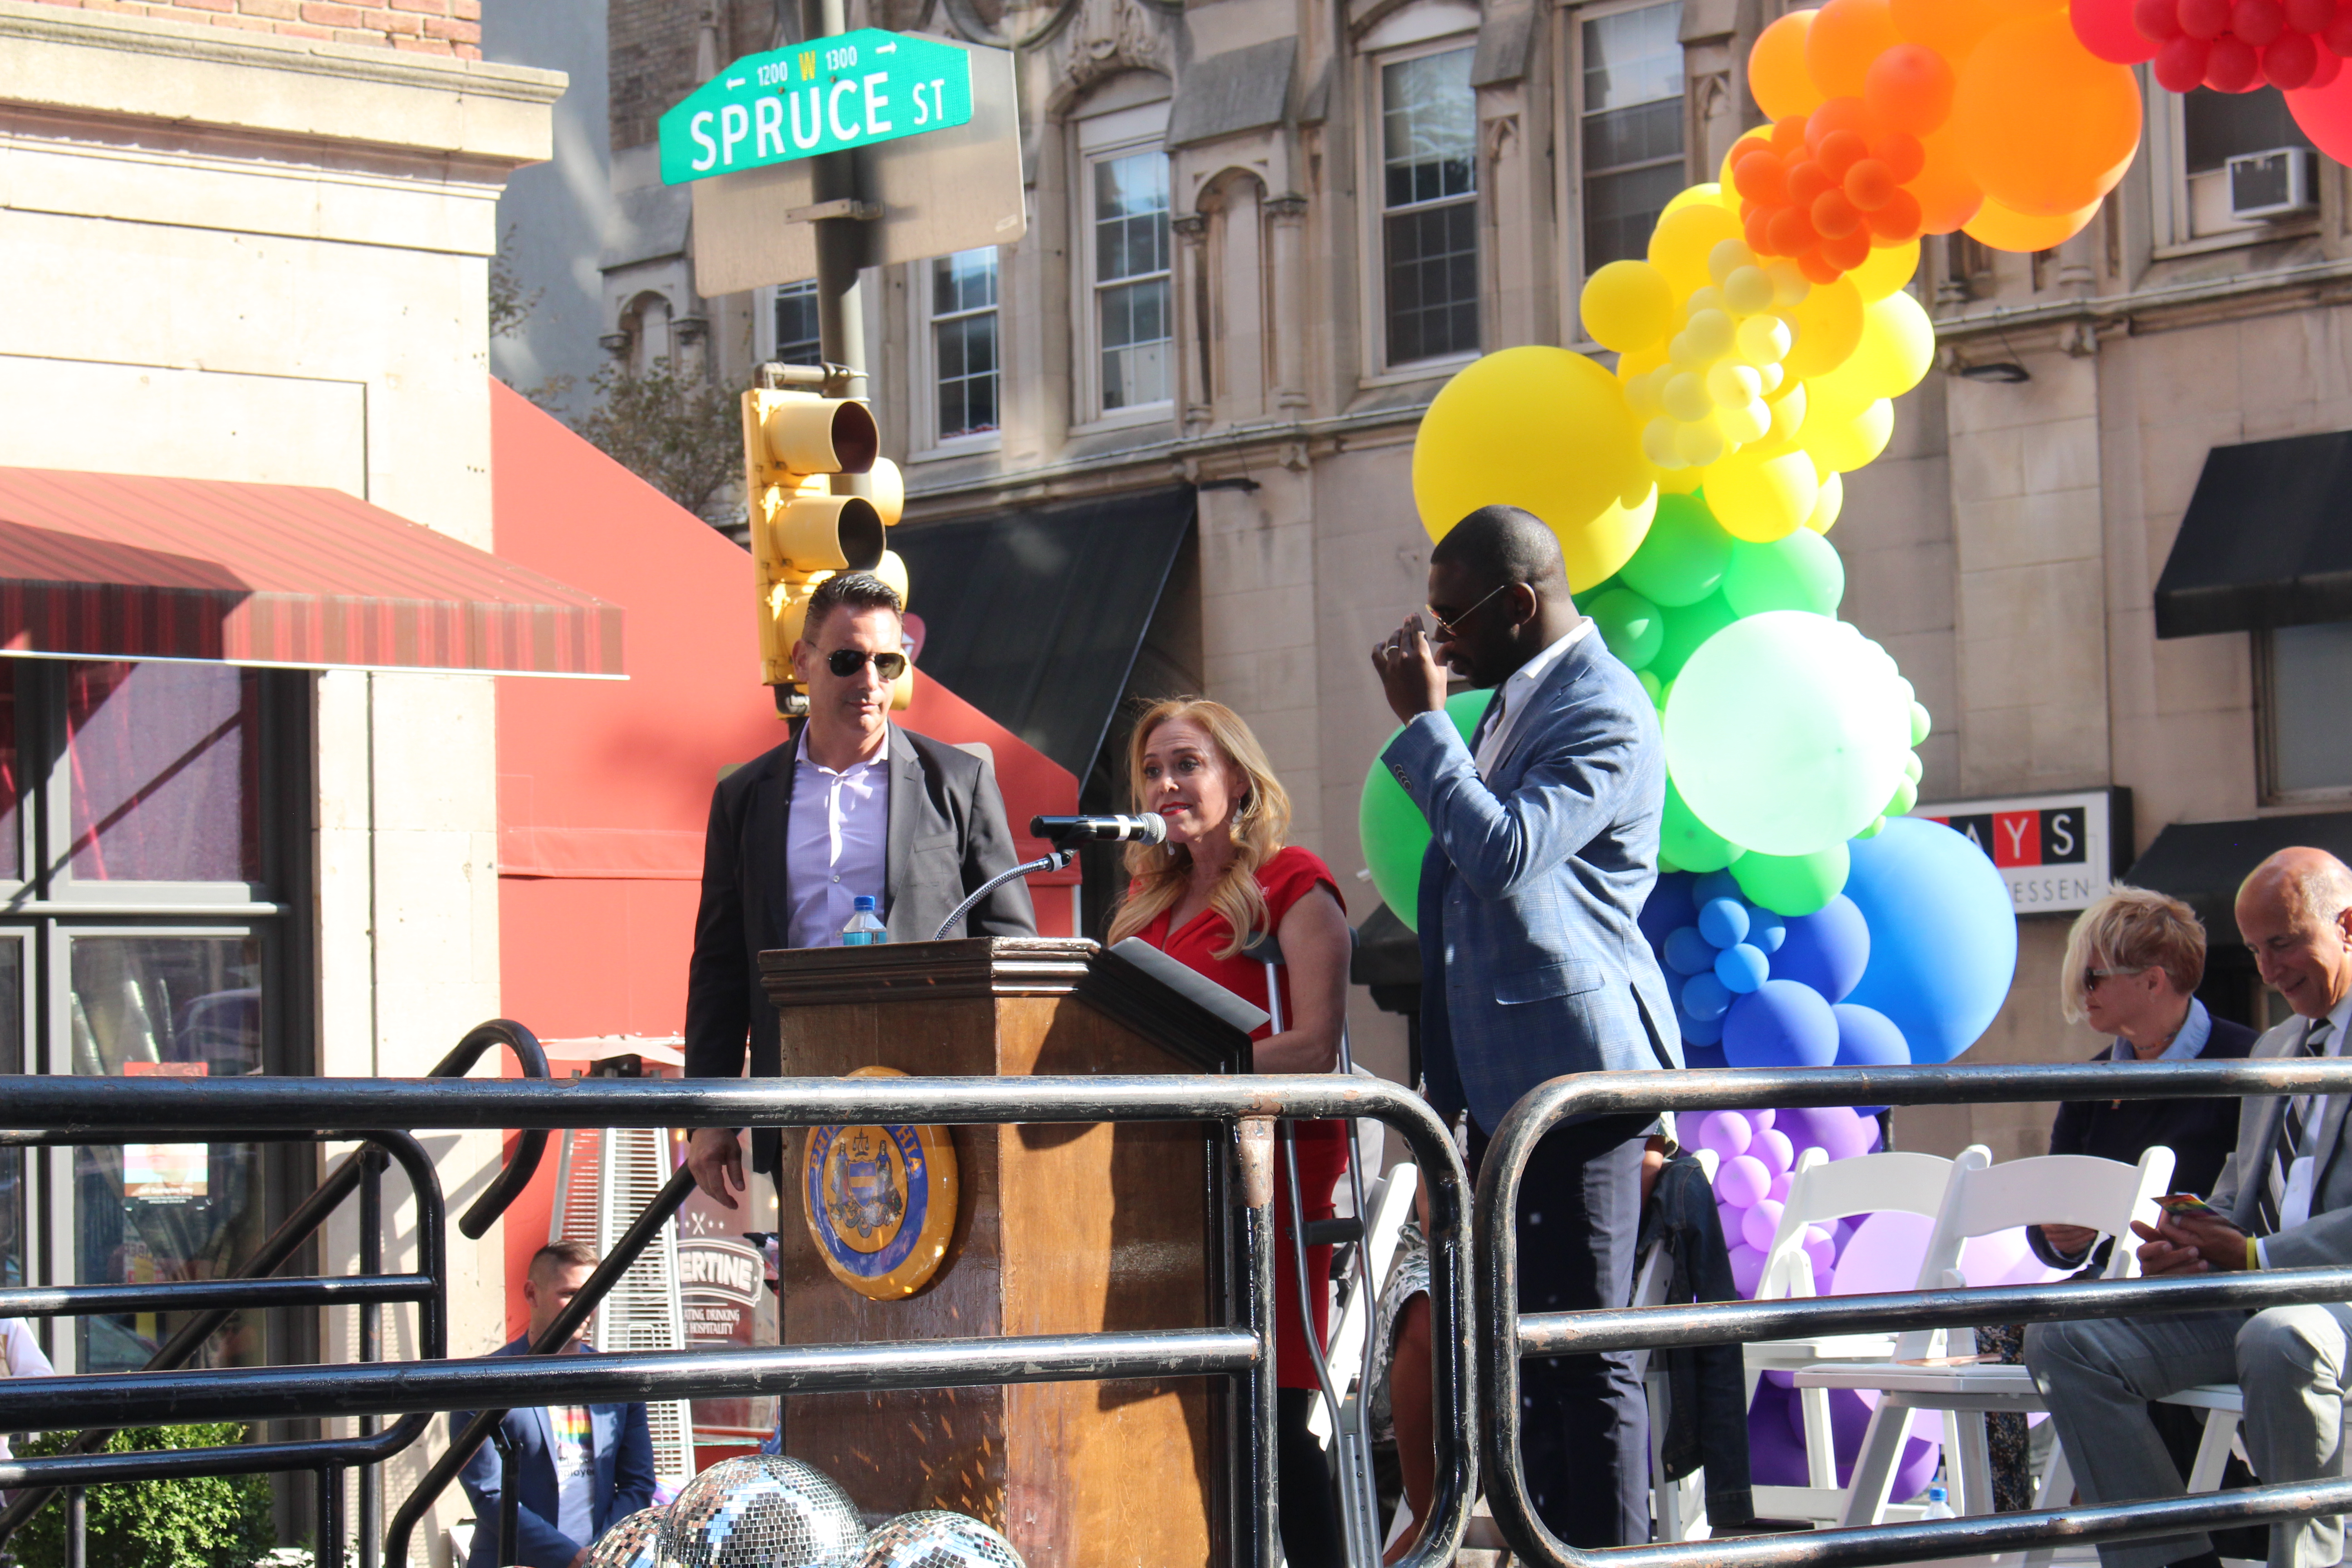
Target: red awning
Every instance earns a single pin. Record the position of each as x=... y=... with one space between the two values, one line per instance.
x=120 y=566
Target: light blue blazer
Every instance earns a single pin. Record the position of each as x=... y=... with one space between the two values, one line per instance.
x=1532 y=965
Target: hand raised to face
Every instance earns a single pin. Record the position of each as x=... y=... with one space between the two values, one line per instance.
x=1411 y=677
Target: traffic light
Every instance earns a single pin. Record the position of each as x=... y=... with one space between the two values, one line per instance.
x=802 y=532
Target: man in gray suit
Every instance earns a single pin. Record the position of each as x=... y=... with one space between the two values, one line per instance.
x=1543 y=846
x=2284 y=1201
x=851 y=804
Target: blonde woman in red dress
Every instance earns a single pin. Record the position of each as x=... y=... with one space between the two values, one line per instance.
x=1223 y=878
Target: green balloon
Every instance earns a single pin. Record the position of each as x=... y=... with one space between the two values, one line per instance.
x=1686 y=627
x=1389 y=827
x=1800 y=572
x=1657 y=693
x=1586 y=600
x=1683 y=557
x=1632 y=626
x=1691 y=845
x=1792 y=884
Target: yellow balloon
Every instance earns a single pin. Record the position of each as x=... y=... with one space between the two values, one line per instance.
x=1680 y=482
x=1825 y=510
x=1708 y=195
x=1898 y=347
x=1689 y=228
x=1761 y=493
x=1547 y=430
x=1790 y=411
x=1846 y=445
x=1627 y=306
x=1828 y=325
x=1886 y=270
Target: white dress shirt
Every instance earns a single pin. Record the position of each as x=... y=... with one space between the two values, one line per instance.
x=838 y=844
x=1517 y=690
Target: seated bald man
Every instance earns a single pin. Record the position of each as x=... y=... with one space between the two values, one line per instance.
x=2283 y=1201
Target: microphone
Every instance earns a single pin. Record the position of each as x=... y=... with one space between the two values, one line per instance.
x=1100 y=829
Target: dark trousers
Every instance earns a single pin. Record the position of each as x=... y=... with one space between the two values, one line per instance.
x=1584 y=1427
x=1311 y=1536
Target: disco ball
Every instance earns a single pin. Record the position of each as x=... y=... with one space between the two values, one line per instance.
x=934 y=1538
x=634 y=1542
x=763 y=1511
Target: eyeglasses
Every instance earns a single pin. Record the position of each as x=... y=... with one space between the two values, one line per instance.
x=845 y=662
x=1451 y=625
x=2091 y=977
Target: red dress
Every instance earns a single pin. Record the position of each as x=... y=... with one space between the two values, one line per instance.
x=1289 y=876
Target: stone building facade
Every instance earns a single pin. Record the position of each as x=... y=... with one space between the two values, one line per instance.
x=1262 y=234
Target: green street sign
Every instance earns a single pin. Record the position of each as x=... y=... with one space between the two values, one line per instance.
x=825 y=96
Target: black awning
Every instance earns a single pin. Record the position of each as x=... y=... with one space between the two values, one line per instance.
x=1034 y=615
x=2267 y=541
x=2201 y=863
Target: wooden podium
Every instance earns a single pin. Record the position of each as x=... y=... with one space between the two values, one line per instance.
x=1058 y=1229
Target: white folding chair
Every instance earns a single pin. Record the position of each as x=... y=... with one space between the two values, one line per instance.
x=1821 y=1192
x=1933 y=1368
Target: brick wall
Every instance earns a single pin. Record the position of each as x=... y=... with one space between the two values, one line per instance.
x=651 y=47
x=425 y=27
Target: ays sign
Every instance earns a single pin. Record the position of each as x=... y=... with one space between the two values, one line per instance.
x=824 y=96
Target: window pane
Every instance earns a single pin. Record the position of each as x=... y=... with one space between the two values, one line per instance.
x=797 y=331
x=1429 y=127
x=1430 y=236
x=1630 y=129
x=2217 y=126
x=180 y=1007
x=1620 y=210
x=964 y=282
x=1433 y=282
x=1135 y=344
x=1633 y=57
x=1130 y=216
x=165 y=772
x=967 y=355
x=2311 y=676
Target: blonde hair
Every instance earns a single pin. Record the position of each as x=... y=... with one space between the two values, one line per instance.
x=2132 y=928
x=1257 y=826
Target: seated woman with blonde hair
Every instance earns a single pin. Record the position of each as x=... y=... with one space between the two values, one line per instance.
x=1223 y=879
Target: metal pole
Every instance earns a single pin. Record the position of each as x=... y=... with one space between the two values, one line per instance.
x=330 y=1516
x=840 y=241
x=371 y=1478
x=77 y=1529
x=1254 y=1152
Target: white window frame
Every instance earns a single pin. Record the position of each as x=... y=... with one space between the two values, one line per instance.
x=1568 y=129
x=926 y=444
x=1423 y=30
x=2168 y=140
x=1098 y=139
x=763 y=321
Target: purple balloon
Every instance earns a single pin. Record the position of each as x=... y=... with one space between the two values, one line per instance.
x=1781 y=1185
x=1835 y=1130
x=1727 y=1132
x=1762 y=1119
x=1761 y=1225
x=1747 y=1268
x=1775 y=1443
x=1741 y=1180
x=1821 y=1252
x=1772 y=1147
x=1827 y=949
x=1669 y=906
x=1780 y=1024
x=1733 y=1218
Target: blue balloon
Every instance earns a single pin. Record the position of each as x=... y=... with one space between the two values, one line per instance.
x=1766 y=930
x=1943 y=935
x=1705 y=997
x=1669 y=907
x=1868 y=1038
x=1723 y=921
x=1687 y=952
x=1780 y=1024
x=1711 y=885
x=1698 y=1055
x=1827 y=949
x=1742 y=968
x=1699 y=1031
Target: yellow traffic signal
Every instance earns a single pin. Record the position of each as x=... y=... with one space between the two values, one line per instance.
x=801 y=532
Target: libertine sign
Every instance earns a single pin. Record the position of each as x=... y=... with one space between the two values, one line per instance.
x=824 y=96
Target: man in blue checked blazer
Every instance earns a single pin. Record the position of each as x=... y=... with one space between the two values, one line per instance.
x=1543 y=846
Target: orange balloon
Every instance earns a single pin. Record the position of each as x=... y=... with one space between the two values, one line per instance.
x=2040 y=120
x=2004 y=229
x=1777 y=77
x=1846 y=36
x=1950 y=27
x=1947 y=195
x=1909 y=88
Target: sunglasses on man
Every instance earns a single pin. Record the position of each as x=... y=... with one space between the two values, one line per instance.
x=845 y=662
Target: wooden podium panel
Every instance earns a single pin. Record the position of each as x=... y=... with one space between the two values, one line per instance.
x=1061 y=1228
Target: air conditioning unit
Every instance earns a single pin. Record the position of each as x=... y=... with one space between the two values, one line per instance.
x=2271 y=184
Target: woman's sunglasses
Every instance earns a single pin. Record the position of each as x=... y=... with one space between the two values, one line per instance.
x=845 y=662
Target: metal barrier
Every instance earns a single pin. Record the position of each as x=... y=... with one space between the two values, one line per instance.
x=1508 y=1337
x=63 y=1109
x=256 y=1287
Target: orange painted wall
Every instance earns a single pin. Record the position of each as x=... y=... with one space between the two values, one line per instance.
x=605 y=786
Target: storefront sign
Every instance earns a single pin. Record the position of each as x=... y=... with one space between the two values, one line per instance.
x=2056 y=852
x=165 y=1173
x=824 y=96
x=723 y=1285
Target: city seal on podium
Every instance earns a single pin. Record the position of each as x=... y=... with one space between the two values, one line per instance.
x=880 y=1201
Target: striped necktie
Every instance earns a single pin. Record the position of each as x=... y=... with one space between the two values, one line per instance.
x=2302 y=1111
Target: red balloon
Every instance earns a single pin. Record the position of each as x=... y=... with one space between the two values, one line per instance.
x=1758 y=227
x=1807 y=180
x=2161 y=19
x=1897 y=221
x=2324 y=68
x=1819 y=267
x=2107 y=28
x=1848 y=251
x=2290 y=61
x=1834 y=216
x=1902 y=155
x=2310 y=15
x=2180 y=63
x=2258 y=23
x=2232 y=66
x=1791 y=232
x=1840 y=151
x=2207 y=20
x=1760 y=177
x=2326 y=115
x=1789 y=136
x=2336 y=36
x=1870 y=182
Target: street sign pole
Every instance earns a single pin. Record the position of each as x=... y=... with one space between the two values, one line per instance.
x=840 y=247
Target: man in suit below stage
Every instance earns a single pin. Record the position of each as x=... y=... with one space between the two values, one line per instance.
x=2283 y=1201
x=580 y=1469
x=851 y=804
x=1543 y=846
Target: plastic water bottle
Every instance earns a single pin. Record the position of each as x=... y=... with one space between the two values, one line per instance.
x=1939 y=1502
x=864 y=928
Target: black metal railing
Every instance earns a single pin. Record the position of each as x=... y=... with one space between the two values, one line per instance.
x=1507 y=1337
